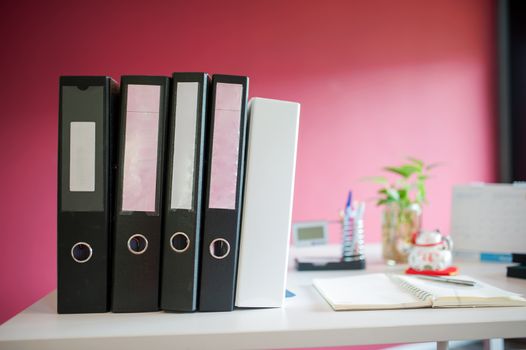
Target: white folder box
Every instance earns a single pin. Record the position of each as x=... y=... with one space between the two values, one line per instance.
x=267 y=203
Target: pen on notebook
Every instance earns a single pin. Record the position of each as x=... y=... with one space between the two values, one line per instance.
x=448 y=280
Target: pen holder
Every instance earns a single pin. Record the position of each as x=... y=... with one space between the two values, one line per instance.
x=352 y=256
x=352 y=239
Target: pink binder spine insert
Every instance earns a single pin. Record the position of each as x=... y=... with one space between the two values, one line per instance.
x=140 y=148
x=225 y=149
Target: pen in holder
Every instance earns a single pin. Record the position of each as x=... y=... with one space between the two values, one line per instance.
x=353 y=238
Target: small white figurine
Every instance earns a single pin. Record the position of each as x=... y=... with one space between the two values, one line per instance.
x=431 y=251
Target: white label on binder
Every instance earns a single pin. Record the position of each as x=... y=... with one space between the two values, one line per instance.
x=140 y=148
x=184 y=146
x=82 y=157
x=225 y=149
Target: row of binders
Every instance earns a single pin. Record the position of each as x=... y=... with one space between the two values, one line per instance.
x=174 y=193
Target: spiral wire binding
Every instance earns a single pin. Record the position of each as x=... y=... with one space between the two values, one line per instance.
x=417 y=292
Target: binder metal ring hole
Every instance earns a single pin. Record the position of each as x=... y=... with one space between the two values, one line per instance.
x=179 y=242
x=81 y=252
x=137 y=244
x=219 y=248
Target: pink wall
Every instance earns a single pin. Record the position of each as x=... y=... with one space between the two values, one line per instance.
x=378 y=80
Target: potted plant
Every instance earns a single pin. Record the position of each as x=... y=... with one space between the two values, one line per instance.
x=402 y=201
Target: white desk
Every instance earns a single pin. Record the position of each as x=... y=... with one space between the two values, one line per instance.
x=305 y=321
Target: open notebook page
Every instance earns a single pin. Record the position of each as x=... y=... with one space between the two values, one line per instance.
x=366 y=292
x=454 y=295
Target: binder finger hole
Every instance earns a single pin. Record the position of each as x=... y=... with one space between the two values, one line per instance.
x=219 y=248
x=81 y=252
x=179 y=242
x=137 y=244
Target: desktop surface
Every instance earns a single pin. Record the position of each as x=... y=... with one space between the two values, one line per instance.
x=305 y=321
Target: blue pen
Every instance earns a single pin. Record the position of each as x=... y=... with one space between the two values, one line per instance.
x=348 y=205
x=347 y=213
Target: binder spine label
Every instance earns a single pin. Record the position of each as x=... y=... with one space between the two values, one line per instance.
x=140 y=150
x=184 y=146
x=225 y=149
x=82 y=157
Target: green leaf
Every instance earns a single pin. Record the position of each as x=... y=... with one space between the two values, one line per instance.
x=416 y=161
x=405 y=170
x=392 y=194
x=421 y=193
x=384 y=202
x=381 y=180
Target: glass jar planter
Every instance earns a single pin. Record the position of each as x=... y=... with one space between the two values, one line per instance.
x=398 y=228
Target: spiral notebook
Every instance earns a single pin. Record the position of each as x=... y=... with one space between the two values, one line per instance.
x=385 y=291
